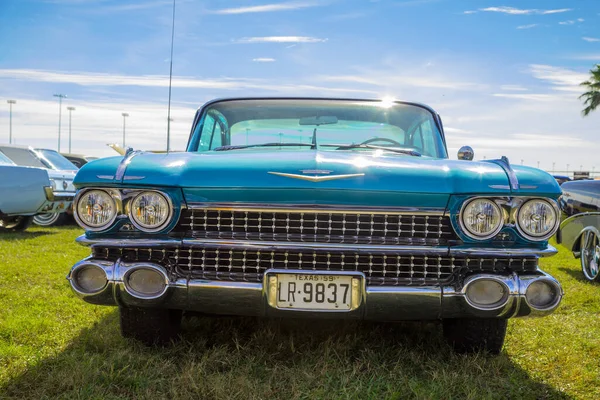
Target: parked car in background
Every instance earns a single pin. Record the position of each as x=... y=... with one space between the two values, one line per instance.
x=24 y=192
x=78 y=160
x=61 y=178
x=326 y=208
x=580 y=229
x=562 y=178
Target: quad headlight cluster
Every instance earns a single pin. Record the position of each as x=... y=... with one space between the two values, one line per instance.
x=484 y=218
x=148 y=211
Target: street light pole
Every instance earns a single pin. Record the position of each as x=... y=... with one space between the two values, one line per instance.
x=125 y=115
x=70 y=108
x=60 y=97
x=10 y=104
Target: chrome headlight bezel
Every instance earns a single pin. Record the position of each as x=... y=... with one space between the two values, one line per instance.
x=140 y=226
x=538 y=238
x=475 y=236
x=109 y=223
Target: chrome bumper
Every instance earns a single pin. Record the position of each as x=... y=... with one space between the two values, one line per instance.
x=381 y=303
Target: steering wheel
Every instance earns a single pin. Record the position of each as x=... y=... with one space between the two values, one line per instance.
x=376 y=139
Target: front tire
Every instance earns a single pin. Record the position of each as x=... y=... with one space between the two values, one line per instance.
x=15 y=224
x=470 y=335
x=590 y=256
x=150 y=326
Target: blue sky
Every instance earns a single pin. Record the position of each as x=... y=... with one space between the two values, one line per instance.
x=503 y=74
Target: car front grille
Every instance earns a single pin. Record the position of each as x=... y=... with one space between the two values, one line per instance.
x=238 y=264
x=320 y=226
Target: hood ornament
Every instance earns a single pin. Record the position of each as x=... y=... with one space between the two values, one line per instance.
x=316 y=178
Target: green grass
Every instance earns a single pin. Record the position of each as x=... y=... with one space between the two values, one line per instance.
x=53 y=345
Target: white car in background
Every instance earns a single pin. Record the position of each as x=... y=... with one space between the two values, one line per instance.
x=24 y=192
x=61 y=173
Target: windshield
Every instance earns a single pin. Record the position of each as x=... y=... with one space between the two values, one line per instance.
x=56 y=161
x=306 y=124
x=22 y=156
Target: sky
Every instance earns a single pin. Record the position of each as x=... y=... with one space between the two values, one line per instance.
x=503 y=74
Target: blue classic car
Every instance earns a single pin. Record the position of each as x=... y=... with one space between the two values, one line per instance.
x=330 y=208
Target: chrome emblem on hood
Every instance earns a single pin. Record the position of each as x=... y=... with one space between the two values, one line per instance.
x=316 y=178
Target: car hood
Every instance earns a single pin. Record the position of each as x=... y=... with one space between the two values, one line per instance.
x=342 y=177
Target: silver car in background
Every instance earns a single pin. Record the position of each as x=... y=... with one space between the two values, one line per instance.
x=61 y=173
x=34 y=194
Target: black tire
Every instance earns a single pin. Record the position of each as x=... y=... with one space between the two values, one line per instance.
x=470 y=335
x=150 y=326
x=15 y=224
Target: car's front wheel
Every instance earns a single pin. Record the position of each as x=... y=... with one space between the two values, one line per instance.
x=49 y=219
x=590 y=256
x=469 y=335
x=15 y=224
x=149 y=325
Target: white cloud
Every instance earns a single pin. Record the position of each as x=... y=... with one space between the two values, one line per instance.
x=519 y=11
x=292 y=5
x=263 y=59
x=562 y=79
x=234 y=84
x=571 y=21
x=515 y=88
x=590 y=39
x=530 y=96
x=527 y=26
x=281 y=39
x=592 y=57
x=470 y=12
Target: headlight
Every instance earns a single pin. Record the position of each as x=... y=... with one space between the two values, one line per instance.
x=95 y=210
x=150 y=211
x=53 y=183
x=537 y=219
x=481 y=219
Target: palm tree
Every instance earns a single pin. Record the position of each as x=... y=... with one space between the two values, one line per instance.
x=592 y=96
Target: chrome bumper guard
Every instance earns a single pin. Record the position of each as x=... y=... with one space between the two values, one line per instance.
x=381 y=303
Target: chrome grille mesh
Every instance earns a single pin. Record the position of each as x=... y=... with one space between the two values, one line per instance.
x=236 y=264
x=317 y=226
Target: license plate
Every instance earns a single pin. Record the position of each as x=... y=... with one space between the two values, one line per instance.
x=315 y=292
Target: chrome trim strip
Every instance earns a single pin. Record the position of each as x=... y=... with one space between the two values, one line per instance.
x=316 y=208
x=316 y=178
x=116 y=242
x=108 y=177
x=268 y=245
x=510 y=173
x=421 y=250
x=124 y=163
x=133 y=178
x=502 y=252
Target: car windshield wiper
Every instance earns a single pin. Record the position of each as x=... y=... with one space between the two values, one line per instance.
x=370 y=146
x=247 y=146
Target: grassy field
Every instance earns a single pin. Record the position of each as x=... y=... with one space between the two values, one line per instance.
x=53 y=345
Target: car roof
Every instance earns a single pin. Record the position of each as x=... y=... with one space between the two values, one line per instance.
x=221 y=99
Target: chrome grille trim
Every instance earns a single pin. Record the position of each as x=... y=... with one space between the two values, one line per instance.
x=368 y=226
x=240 y=264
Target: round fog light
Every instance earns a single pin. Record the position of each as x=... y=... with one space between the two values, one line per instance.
x=487 y=293
x=541 y=295
x=146 y=282
x=90 y=279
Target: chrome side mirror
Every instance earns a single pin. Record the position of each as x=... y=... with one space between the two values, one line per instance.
x=466 y=153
